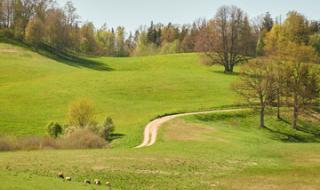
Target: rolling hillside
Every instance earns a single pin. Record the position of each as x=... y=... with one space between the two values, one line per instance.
x=35 y=90
x=213 y=151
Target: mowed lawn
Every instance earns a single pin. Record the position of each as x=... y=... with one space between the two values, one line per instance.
x=35 y=90
x=215 y=151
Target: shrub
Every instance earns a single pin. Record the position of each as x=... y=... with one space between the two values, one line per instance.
x=169 y=47
x=82 y=138
x=7 y=144
x=81 y=113
x=29 y=143
x=54 y=129
x=107 y=129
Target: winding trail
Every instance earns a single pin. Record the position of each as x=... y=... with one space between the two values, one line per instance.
x=151 y=130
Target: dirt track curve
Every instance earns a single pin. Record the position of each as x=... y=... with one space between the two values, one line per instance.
x=151 y=130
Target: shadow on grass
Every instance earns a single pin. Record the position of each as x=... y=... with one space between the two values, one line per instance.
x=305 y=128
x=64 y=57
x=116 y=136
x=221 y=116
x=230 y=74
x=298 y=136
x=72 y=60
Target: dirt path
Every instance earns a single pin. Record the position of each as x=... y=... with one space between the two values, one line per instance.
x=151 y=130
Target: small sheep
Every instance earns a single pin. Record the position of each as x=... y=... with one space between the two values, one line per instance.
x=87 y=181
x=67 y=178
x=108 y=184
x=60 y=175
x=97 y=182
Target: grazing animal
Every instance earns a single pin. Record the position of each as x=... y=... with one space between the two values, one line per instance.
x=68 y=178
x=108 y=184
x=60 y=175
x=87 y=181
x=97 y=182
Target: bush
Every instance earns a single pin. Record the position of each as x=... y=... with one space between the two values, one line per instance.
x=82 y=138
x=169 y=47
x=107 y=129
x=7 y=144
x=35 y=143
x=81 y=113
x=54 y=129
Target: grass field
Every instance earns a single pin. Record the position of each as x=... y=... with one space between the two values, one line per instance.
x=215 y=151
x=35 y=90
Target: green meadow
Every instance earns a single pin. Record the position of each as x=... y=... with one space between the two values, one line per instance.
x=213 y=151
x=35 y=90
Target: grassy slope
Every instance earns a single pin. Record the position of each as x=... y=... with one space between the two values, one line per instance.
x=216 y=151
x=35 y=90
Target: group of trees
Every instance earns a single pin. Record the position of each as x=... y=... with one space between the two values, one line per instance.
x=42 y=23
x=228 y=39
x=81 y=117
x=286 y=74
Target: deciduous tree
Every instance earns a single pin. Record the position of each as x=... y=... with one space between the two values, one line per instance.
x=225 y=44
x=35 y=31
x=257 y=85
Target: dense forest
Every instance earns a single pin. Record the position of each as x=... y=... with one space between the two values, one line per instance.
x=44 y=22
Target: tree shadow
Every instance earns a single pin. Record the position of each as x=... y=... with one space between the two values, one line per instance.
x=115 y=136
x=303 y=127
x=64 y=56
x=220 y=116
x=222 y=72
x=71 y=59
x=294 y=138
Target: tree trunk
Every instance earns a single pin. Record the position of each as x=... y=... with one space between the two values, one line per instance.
x=295 y=112
x=262 y=117
x=228 y=68
x=278 y=104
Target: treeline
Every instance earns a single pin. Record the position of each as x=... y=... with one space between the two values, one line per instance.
x=42 y=22
x=286 y=74
x=231 y=33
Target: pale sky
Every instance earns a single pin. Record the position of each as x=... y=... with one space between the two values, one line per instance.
x=133 y=13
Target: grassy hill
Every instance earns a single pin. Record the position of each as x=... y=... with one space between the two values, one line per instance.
x=214 y=151
x=35 y=90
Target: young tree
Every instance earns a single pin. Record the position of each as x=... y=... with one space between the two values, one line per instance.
x=1 y=14
x=106 y=41
x=257 y=85
x=20 y=19
x=56 y=33
x=120 y=42
x=88 y=42
x=296 y=28
x=303 y=87
x=279 y=73
x=130 y=44
x=107 y=129
x=169 y=33
x=54 y=129
x=7 y=13
x=81 y=113
x=315 y=42
x=267 y=23
x=35 y=31
x=72 y=29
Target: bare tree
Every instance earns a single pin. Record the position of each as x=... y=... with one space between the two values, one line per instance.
x=303 y=87
x=257 y=85
x=225 y=45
